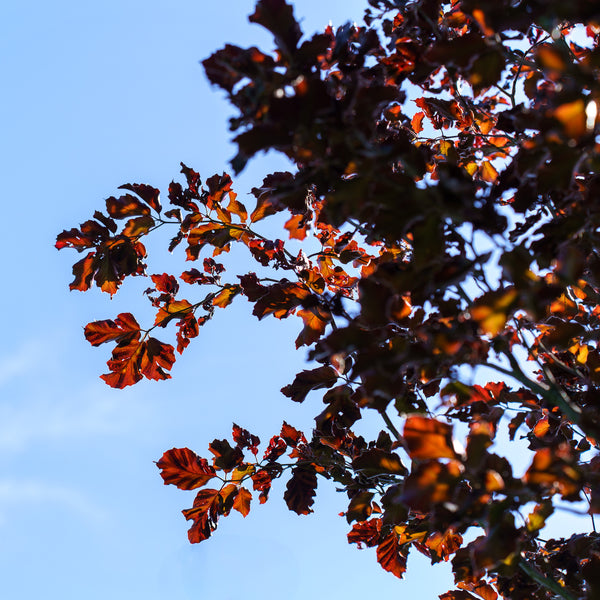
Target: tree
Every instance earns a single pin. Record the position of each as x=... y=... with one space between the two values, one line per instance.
x=442 y=214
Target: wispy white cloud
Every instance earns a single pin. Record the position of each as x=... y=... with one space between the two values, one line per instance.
x=54 y=418
x=49 y=403
x=20 y=493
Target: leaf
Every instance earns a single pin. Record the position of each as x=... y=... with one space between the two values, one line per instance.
x=378 y=462
x=242 y=502
x=176 y=309
x=365 y=532
x=147 y=193
x=267 y=200
x=125 y=206
x=139 y=226
x=124 y=327
x=360 y=508
x=291 y=435
x=280 y=299
x=300 y=489
x=277 y=447
x=428 y=438
x=417 y=122
x=226 y=295
x=165 y=283
x=488 y=172
x=278 y=17
x=457 y=595
x=84 y=272
x=205 y=515
x=306 y=381
x=296 y=226
x=315 y=322
x=185 y=469
x=244 y=439
x=132 y=360
x=225 y=457
x=261 y=481
x=390 y=557
x=572 y=116
x=492 y=310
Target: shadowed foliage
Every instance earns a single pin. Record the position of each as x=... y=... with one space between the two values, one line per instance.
x=442 y=222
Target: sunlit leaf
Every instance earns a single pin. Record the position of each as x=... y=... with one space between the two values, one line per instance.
x=185 y=469
x=428 y=438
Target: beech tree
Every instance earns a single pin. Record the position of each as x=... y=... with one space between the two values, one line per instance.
x=442 y=221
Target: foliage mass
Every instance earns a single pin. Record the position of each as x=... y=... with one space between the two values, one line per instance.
x=445 y=199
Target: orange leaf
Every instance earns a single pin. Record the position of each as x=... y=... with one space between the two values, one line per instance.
x=427 y=438
x=488 y=172
x=417 y=122
x=242 y=501
x=226 y=295
x=315 y=321
x=297 y=227
x=573 y=118
x=491 y=311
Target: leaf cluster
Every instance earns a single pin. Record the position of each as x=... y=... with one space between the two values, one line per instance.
x=444 y=196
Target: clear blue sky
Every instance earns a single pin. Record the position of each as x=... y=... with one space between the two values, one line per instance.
x=96 y=95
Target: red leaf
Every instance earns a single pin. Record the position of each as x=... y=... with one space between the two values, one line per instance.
x=280 y=299
x=226 y=457
x=389 y=556
x=132 y=360
x=147 y=193
x=165 y=283
x=261 y=481
x=125 y=206
x=304 y=382
x=205 y=515
x=83 y=271
x=365 y=532
x=291 y=435
x=123 y=327
x=185 y=469
x=276 y=448
x=296 y=225
x=300 y=490
x=244 y=439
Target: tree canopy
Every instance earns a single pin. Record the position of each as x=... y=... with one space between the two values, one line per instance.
x=440 y=256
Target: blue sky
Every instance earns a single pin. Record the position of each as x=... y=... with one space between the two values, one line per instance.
x=96 y=95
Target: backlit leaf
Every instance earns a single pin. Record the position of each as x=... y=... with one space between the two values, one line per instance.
x=390 y=557
x=242 y=501
x=428 y=438
x=226 y=295
x=125 y=206
x=123 y=327
x=147 y=193
x=185 y=469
